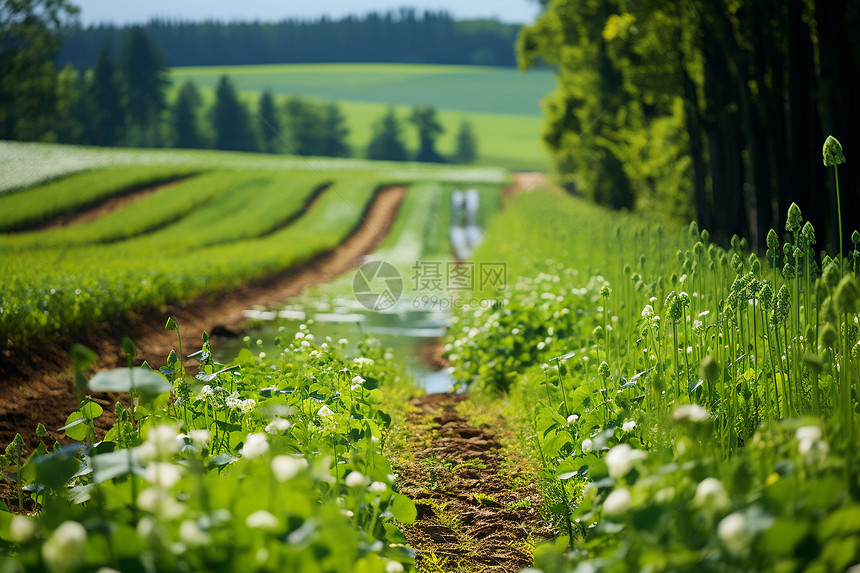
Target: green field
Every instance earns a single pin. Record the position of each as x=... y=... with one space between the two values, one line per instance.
x=503 y=104
x=236 y=217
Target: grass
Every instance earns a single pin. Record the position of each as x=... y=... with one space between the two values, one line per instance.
x=502 y=104
x=464 y=88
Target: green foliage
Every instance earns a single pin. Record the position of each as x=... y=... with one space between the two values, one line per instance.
x=268 y=462
x=29 y=41
x=143 y=72
x=429 y=128
x=467 y=145
x=184 y=114
x=229 y=118
x=387 y=142
x=689 y=418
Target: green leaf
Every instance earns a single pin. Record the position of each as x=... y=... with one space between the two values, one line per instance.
x=128 y=347
x=171 y=324
x=76 y=426
x=53 y=470
x=783 y=536
x=146 y=382
x=91 y=410
x=403 y=509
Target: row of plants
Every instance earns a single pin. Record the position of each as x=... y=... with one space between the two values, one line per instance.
x=266 y=463
x=692 y=407
x=55 y=289
x=183 y=211
x=34 y=206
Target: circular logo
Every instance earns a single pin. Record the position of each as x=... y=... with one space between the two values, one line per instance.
x=377 y=285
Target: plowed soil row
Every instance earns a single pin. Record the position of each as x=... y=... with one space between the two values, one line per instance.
x=470 y=516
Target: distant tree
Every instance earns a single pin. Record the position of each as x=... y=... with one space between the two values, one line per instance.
x=387 y=140
x=304 y=126
x=429 y=128
x=185 y=132
x=467 y=145
x=71 y=107
x=270 y=125
x=107 y=119
x=230 y=119
x=334 y=131
x=29 y=41
x=143 y=72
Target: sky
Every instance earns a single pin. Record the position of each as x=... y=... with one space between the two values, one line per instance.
x=140 y=11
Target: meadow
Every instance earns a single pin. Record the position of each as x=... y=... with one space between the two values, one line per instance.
x=501 y=103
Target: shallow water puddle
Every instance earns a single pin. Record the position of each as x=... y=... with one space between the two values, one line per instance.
x=412 y=335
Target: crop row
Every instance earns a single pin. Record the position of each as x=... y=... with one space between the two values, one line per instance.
x=35 y=206
x=220 y=245
x=691 y=406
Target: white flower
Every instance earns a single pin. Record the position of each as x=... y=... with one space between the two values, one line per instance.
x=358 y=380
x=262 y=519
x=621 y=460
x=199 y=436
x=247 y=405
x=325 y=411
x=277 y=426
x=305 y=344
x=205 y=393
x=572 y=419
x=711 y=496
x=617 y=502
x=377 y=487
x=648 y=311
x=393 y=567
x=362 y=361
x=22 y=528
x=162 y=474
x=587 y=445
x=355 y=479
x=159 y=502
x=286 y=467
x=664 y=495
x=343 y=341
x=734 y=533
x=629 y=425
x=161 y=442
x=808 y=434
x=191 y=534
x=300 y=335
x=309 y=337
x=255 y=445
x=65 y=550
x=690 y=413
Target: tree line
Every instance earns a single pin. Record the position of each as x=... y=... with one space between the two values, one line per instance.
x=403 y=36
x=122 y=100
x=716 y=109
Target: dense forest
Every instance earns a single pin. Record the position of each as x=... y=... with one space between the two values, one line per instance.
x=405 y=36
x=717 y=108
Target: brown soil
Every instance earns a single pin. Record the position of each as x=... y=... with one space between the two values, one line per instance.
x=470 y=517
x=36 y=384
x=523 y=183
x=109 y=206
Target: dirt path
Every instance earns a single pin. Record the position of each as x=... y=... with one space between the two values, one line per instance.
x=36 y=383
x=525 y=182
x=471 y=518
